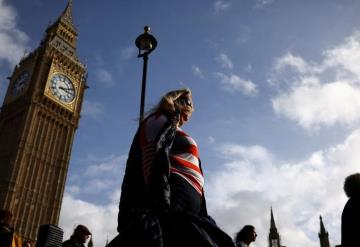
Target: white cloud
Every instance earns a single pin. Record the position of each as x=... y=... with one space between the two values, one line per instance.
x=324 y=93
x=73 y=189
x=198 y=72
x=106 y=165
x=252 y=180
x=100 y=219
x=225 y=61
x=244 y=34
x=263 y=3
x=249 y=68
x=104 y=78
x=211 y=140
x=346 y=55
x=100 y=176
x=92 y=109
x=97 y=177
x=313 y=105
x=291 y=61
x=242 y=190
x=129 y=52
x=233 y=83
x=95 y=186
x=98 y=59
x=221 y=5
x=253 y=153
x=13 y=42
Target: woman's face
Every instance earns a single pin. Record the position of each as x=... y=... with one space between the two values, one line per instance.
x=186 y=113
x=252 y=236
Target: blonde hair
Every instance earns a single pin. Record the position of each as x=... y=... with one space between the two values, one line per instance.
x=172 y=102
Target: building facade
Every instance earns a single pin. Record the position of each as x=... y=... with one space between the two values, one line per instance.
x=38 y=120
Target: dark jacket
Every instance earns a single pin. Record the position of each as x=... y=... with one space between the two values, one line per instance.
x=6 y=235
x=72 y=243
x=135 y=196
x=350 y=223
x=145 y=217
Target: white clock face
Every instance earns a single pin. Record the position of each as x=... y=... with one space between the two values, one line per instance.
x=20 y=83
x=62 y=88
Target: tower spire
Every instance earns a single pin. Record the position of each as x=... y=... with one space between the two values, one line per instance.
x=66 y=16
x=62 y=34
x=323 y=235
x=274 y=237
x=272 y=221
x=322 y=227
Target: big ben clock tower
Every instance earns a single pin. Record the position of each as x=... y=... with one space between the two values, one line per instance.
x=38 y=120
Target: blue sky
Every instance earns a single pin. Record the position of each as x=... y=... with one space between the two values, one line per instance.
x=276 y=88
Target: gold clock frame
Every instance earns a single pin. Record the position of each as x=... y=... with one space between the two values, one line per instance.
x=70 y=105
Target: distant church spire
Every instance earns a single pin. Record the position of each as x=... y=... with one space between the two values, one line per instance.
x=323 y=235
x=272 y=221
x=274 y=237
x=107 y=241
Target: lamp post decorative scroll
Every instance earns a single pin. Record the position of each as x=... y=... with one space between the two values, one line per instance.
x=146 y=43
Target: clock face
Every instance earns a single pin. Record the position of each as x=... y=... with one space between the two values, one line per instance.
x=62 y=88
x=20 y=83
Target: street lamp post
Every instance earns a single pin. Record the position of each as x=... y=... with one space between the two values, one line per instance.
x=146 y=43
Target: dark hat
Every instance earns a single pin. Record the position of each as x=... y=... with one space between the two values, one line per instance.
x=5 y=216
x=82 y=229
x=5 y=213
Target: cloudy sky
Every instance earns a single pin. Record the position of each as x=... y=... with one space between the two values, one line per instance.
x=276 y=87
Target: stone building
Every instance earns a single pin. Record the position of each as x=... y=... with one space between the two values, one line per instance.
x=38 y=120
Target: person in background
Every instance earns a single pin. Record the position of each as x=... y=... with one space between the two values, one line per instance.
x=8 y=237
x=245 y=236
x=27 y=243
x=79 y=237
x=350 y=219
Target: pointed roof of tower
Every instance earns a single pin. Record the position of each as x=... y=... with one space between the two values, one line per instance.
x=66 y=16
x=322 y=227
x=273 y=234
x=65 y=19
x=272 y=221
x=107 y=241
x=323 y=235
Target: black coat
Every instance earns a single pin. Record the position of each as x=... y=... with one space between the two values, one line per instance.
x=72 y=243
x=145 y=217
x=350 y=223
x=6 y=235
x=135 y=196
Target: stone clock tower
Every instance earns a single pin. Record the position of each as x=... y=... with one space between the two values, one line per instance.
x=38 y=120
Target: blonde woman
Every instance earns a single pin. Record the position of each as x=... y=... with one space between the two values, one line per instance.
x=162 y=198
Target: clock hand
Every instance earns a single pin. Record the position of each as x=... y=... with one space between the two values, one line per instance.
x=64 y=89
x=19 y=86
x=21 y=83
x=67 y=90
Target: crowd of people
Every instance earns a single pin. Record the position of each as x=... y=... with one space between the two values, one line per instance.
x=162 y=201
x=9 y=238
